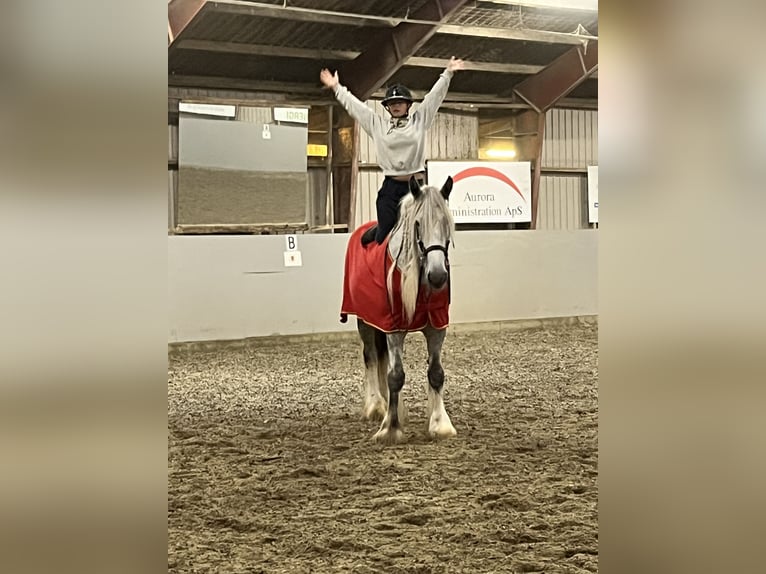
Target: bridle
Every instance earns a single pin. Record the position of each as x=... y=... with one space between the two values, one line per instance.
x=424 y=251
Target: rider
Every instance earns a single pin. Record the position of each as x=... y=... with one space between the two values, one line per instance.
x=400 y=143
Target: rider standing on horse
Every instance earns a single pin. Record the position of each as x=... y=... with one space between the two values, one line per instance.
x=400 y=143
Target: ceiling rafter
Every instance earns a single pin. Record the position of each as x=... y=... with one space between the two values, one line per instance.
x=309 y=93
x=522 y=34
x=266 y=50
x=565 y=73
x=313 y=54
x=180 y=15
x=300 y=14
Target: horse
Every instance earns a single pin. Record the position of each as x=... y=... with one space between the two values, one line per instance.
x=397 y=287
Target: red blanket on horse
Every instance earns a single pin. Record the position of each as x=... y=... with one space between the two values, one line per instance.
x=365 y=294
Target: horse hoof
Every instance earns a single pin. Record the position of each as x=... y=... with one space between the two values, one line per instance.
x=442 y=431
x=388 y=436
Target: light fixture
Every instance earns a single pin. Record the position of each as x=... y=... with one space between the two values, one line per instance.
x=501 y=153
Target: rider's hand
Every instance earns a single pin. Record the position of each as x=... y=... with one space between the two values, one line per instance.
x=454 y=65
x=328 y=79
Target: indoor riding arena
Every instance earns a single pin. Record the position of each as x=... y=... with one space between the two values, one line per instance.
x=271 y=467
x=276 y=461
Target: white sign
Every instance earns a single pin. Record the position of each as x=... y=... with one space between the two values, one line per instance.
x=295 y=115
x=291 y=242
x=208 y=109
x=293 y=259
x=593 y=194
x=486 y=191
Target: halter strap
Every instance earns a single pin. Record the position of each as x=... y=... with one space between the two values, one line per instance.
x=424 y=251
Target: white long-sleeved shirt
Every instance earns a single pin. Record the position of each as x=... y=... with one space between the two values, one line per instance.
x=401 y=150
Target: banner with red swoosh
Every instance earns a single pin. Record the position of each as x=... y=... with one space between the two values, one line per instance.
x=486 y=191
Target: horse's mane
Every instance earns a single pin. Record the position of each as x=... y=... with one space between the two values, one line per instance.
x=431 y=209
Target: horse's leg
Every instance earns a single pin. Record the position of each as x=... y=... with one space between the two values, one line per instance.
x=374 y=356
x=381 y=346
x=390 y=429
x=439 y=424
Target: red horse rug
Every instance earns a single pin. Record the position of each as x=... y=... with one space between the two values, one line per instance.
x=366 y=296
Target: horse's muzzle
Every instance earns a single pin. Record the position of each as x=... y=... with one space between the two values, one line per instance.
x=437 y=279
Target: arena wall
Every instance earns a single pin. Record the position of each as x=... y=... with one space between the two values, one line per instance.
x=236 y=287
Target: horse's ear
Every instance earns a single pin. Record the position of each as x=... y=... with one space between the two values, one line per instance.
x=414 y=187
x=447 y=188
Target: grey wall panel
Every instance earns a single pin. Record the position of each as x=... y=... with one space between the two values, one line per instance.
x=172 y=188
x=229 y=173
x=563 y=202
x=317 y=182
x=172 y=143
x=209 y=196
x=241 y=146
x=571 y=139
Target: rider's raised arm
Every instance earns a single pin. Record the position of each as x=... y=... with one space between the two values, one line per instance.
x=355 y=108
x=434 y=98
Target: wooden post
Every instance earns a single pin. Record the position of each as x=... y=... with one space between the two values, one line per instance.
x=330 y=213
x=354 y=177
x=538 y=167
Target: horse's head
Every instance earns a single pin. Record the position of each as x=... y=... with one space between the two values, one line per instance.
x=432 y=232
x=420 y=241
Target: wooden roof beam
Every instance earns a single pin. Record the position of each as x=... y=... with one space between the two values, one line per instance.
x=514 y=34
x=557 y=79
x=392 y=48
x=180 y=15
x=297 y=14
x=313 y=54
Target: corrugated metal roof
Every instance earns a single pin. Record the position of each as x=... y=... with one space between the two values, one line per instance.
x=524 y=17
x=270 y=48
x=277 y=32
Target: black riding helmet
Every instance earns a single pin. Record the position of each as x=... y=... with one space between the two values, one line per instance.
x=397 y=92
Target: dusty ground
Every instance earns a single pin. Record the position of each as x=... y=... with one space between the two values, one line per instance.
x=272 y=470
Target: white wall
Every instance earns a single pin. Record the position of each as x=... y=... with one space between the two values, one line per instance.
x=234 y=287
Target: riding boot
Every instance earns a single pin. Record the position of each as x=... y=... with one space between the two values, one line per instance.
x=369 y=235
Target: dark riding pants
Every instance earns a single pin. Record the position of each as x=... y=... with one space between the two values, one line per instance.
x=387 y=204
